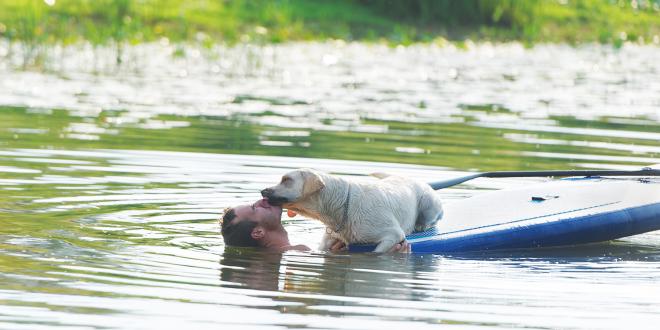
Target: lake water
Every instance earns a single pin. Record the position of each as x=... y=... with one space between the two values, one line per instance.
x=112 y=179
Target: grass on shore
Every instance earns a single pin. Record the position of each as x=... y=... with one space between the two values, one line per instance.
x=400 y=22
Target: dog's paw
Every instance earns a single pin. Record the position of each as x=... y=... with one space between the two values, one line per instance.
x=338 y=246
x=401 y=247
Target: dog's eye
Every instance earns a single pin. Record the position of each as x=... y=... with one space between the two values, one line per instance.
x=286 y=179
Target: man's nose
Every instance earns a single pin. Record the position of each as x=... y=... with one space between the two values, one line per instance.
x=267 y=192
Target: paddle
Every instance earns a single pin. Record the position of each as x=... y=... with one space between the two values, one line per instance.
x=647 y=171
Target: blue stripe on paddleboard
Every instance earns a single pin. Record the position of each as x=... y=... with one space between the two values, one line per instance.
x=515 y=221
x=422 y=234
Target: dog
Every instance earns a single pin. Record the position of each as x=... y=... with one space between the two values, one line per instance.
x=381 y=212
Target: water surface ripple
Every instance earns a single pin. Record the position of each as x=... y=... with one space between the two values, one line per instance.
x=120 y=248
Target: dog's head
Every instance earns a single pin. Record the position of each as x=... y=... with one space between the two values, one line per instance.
x=295 y=186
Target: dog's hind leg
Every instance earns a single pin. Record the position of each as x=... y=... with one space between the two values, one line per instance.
x=389 y=239
x=430 y=211
x=326 y=242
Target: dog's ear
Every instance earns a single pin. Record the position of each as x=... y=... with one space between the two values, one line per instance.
x=313 y=183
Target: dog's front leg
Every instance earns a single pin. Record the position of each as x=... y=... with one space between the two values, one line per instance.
x=327 y=241
x=392 y=237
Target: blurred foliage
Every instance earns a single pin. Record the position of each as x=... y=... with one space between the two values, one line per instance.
x=505 y=13
x=38 y=22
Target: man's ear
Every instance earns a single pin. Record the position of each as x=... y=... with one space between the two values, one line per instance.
x=313 y=183
x=258 y=232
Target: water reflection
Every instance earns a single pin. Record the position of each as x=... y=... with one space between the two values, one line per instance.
x=259 y=270
x=465 y=289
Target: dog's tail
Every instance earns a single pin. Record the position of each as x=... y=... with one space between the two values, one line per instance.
x=380 y=175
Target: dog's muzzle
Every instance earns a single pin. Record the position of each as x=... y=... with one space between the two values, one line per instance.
x=269 y=194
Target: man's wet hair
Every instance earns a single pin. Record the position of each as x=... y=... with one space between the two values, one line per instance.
x=237 y=233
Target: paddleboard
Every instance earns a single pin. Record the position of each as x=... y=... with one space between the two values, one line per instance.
x=557 y=213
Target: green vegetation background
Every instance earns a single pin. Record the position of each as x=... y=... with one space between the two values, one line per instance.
x=401 y=22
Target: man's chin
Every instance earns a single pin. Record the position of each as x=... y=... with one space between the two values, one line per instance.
x=275 y=220
x=276 y=210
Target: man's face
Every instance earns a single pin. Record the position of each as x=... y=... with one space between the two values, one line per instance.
x=266 y=215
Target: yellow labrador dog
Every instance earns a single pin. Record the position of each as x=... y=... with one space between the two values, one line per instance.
x=381 y=212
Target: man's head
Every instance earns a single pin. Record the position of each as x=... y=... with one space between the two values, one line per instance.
x=251 y=224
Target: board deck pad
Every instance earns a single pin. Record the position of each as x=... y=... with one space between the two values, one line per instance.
x=556 y=213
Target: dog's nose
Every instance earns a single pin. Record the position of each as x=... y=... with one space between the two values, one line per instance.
x=267 y=192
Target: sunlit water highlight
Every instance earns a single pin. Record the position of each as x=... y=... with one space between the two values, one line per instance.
x=112 y=181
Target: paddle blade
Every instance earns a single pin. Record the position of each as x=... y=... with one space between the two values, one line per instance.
x=452 y=182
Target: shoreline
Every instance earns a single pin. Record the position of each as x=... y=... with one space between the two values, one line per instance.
x=16 y=55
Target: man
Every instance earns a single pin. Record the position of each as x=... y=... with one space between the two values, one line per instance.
x=260 y=225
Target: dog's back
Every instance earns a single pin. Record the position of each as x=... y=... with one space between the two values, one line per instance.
x=425 y=208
